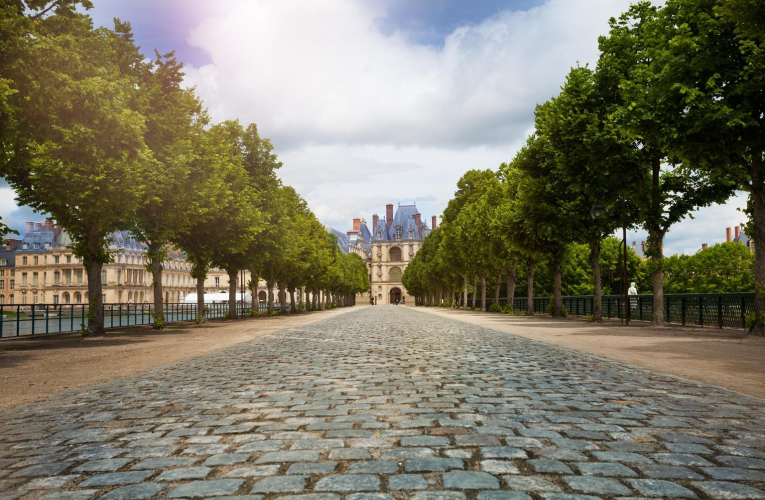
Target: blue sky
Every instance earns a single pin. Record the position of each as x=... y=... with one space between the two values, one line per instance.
x=375 y=102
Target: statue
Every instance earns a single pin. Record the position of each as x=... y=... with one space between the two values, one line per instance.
x=633 y=289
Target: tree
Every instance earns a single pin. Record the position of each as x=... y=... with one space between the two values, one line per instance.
x=85 y=168
x=174 y=116
x=577 y=276
x=711 y=60
x=664 y=191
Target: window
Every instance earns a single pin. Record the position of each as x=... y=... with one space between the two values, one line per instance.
x=2 y=284
x=395 y=274
x=2 y=299
x=24 y=260
x=411 y=234
x=12 y=285
x=2 y=272
x=399 y=232
x=103 y=298
x=68 y=259
x=34 y=279
x=55 y=299
x=56 y=259
x=79 y=277
x=103 y=276
x=394 y=254
x=23 y=297
x=23 y=279
x=11 y=297
x=3 y=262
x=56 y=277
x=34 y=298
x=36 y=246
x=217 y=281
x=37 y=260
x=379 y=233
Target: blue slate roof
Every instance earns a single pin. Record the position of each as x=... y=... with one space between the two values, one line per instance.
x=9 y=256
x=404 y=218
x=342 y=239
x=742 y=238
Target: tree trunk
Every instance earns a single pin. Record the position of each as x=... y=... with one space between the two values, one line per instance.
x=201 y=316
x=464 y=292
x=657 y=262
x=512 y=276
x=530 y=290
x=293 y=309
x=232 y=293
x=95 y=300
x=475 y=290
x=595 y=264
x=282 y=299
x=483 y=292
x=557 y=295
x=758 y=217
x=454 y=297
x=270 y=297
x=496 y=288
x=155 y=256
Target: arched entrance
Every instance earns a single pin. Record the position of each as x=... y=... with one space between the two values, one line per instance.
x=395 y=295
x=262 y=296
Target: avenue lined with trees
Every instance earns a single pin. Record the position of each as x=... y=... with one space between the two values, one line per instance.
x=670 y=120
x=102 y=139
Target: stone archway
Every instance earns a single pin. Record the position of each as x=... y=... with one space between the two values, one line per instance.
x=395 y=294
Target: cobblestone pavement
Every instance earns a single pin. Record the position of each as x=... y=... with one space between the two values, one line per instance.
x=387 y=402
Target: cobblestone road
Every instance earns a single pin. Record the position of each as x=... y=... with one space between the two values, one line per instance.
x=387 y=402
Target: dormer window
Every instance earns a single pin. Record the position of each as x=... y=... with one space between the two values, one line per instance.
x=411 y=234
x=399 y=232
x=379 y=233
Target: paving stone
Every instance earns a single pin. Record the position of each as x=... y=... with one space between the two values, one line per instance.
x=135 y=492
x=280 y=484
x=407 y=482
x=289 y=456
x=425 y=441
x=682 y=459
x=116 y=479
x=312 y=468
x=42 y=470
x=668 y=472
x=162 y=463
x=605 y=469
x=437 y=495
x=374 y=467
x=728 y=491
x=433 y=464
x=185 y=473
x=254 y=471
x=660 y=488
x=48 y=483
x=571 y=496
x=546 y=466
x=499 y=467
x=596 y=485
x=70 y=495
x=346 y=454
x=106 y=465
x=502 y=452
x=529 y=483
x=369 y=496
x=213 y=488
x=311 y=496
x=348 y=482
x=470 y=480
x=742 y=462
x=503 y=495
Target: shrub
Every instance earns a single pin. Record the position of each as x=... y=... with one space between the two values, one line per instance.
x=563 y=310
x=275 y=312
x=159 y=322
x=751 y=319
x=590 y=318
x=445 y=303
x=495 y=308
x=255 y=313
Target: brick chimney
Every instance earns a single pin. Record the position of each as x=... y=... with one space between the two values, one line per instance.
x=12 y=243
x=418 y=220
x=39 y=226
x=375 y=219
x=388 y=215
x=738 y=231
x=49 y=225
x=357 y=225
x=703 y=246
x=727 y=234
x=30 y=226
x=434 y=222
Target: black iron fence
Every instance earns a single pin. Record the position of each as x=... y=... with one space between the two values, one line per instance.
x=35 y=319
x=721 y=310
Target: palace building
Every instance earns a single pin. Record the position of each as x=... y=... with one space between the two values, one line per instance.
x=387 y=248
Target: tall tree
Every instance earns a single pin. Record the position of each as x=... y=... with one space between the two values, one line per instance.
x=711 y=60
x=664 y=192
x=74 y=143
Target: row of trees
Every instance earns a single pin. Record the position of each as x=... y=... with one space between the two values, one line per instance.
x=103 y=139
x=670 y=120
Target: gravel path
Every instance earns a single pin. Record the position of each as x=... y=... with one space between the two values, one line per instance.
x=387 y=402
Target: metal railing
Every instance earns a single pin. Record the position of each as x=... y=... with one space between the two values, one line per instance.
x=721 y=310
x=38 y=319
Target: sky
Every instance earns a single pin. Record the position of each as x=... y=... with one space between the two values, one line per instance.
x=369 y=103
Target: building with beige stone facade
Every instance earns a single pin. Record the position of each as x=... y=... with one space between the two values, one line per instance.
x=387 y=249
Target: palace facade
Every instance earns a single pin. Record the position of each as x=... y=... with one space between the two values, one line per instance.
x=387 y=248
